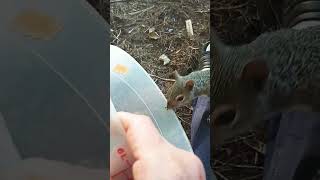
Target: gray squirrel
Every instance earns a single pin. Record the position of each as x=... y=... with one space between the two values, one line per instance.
x=186 y=88
x=277 y=72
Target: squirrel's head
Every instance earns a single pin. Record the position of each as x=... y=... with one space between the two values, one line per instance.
x=238 y=77
x=180 y=93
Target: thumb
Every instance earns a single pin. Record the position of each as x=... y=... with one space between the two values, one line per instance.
x=142 y=136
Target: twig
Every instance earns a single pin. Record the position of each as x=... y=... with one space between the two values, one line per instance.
x=186 y=14
x=130 y=31
x=185 y=114
x=141 y=11
x=252 y=177
x=117 y=37
x=177 y=51
x=203 y=11
x=116 y=1
x=193 y=48
x=274 y=13
x=183 y=120
x=245 y=166
x=166 y=2
x=230 y=7
x=164 y=79
x=254 y=148
x=190 y=108
x=241 y=138
x=256 y=157
x=221 y=175
x=239 y=165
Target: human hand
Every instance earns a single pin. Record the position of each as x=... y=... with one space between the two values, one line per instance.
x=156 y=158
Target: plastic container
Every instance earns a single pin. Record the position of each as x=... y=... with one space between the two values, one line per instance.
x=133 y=90
x=54 y=91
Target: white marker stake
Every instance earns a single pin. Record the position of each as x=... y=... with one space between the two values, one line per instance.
x=189 y=28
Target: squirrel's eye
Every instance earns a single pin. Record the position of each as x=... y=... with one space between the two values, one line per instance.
x=179 y=98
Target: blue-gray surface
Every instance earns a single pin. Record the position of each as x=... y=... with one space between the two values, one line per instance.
x=44 y=115
x=292 y=146
x=200 y=133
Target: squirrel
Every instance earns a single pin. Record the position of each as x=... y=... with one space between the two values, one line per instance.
x=186 y=88
x=277 y=72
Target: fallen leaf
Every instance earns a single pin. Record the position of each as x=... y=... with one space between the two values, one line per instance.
x=165 y=59
x=153 y=35
x=152 y=30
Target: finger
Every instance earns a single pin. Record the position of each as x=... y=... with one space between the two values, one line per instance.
x=139 y=171
x=143 y=137
x=130 y=121
x=202 y=173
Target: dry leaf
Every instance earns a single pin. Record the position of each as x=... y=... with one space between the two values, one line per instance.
x=153 y=35
x=152 y=30
x=165 y=59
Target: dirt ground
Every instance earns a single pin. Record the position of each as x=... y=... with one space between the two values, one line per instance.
x=236 y=22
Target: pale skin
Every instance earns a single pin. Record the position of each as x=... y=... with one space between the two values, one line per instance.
x=156 y=158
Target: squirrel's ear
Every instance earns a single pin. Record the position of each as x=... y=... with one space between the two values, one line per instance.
x=176 y=75
x=256 y=71
x=189 y=85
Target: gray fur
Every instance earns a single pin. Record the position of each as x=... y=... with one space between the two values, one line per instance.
x=201 y=81
x=293 y=59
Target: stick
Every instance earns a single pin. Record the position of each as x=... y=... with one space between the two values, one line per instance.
x=221 y=175
x=256 y=157
x=252 y=177
x=203 y=11
x=116 y=1
x=239 y=166
x=254 y=148
x=239 y=139
x=141 y=11
x=164 y=79
x=230 y=7
x=183 y=120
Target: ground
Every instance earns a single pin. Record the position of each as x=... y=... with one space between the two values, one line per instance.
x=235 y=21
